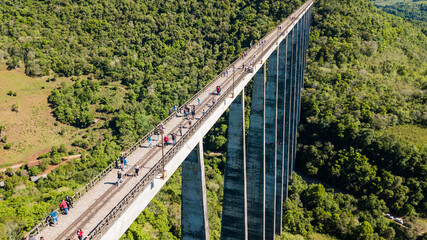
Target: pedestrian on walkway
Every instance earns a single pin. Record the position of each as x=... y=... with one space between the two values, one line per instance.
x=121 y=161
x=150 y=142
x=119 y=178
x=42 y=238
x=136 y=170
x=198 y=101
x=189 y=124
x=173 y=138
x=218 y=90
x=69 y=201
x=54 y=216
x=79 y=234
x=64 y=207
x=180 y=129
x=204 y=112
x=193 y=113
x=125 y=163
x=32 y=237
x=166 y=140
x=213 y=101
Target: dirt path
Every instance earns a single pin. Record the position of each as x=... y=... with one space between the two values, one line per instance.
x=37 y=162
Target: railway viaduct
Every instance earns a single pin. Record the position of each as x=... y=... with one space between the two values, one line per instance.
x=258 y=168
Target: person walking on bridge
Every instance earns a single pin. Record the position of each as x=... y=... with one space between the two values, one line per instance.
x=64 y=206
x=54 y=216
x=79 y=234
x=119 y=178
x=193 y=113
x=125 y=163
x=173 y=138
x=136 y=170
x=150 y=142
x=166 y=139
x=69 y=201
x=180 y=129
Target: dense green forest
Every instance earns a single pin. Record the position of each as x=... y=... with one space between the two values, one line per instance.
x=133 y=60
x=415 y=11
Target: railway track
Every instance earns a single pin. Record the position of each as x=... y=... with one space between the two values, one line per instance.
x=225 y=82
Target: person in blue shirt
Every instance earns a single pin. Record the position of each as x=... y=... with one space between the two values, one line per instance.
x=54 y=216
x=125 y=163
x=150 y=142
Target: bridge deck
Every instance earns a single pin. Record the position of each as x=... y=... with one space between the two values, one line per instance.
x=94 y=205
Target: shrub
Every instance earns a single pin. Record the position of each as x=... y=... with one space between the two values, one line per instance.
x=62 y=149
x=7 y=146
x=81 y=143
x=15 y=107
x=55 y=160
x=34 y=171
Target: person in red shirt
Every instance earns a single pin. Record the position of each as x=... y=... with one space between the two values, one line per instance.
x=64 y=206
x=166 y=140
x=80 y=233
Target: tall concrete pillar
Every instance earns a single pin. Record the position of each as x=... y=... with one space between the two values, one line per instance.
x=234 y=208
x=194 y=212
x=294 y=81
x=256 y=160
x=270 y=146
x=281 y=71
x=287 y=127
x=299 y=79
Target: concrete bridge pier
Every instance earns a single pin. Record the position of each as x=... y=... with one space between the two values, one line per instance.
x=256 y=159
x=270 y=145
x=280 y=176
x=234 y=211
x=194 y=211
x=287 y=117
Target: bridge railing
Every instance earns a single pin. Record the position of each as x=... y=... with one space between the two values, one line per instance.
x=156 y=170
x=151 y=175
x=46 y=221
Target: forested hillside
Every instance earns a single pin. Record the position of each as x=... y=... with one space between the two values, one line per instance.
x=364 y=108
x=363 y=118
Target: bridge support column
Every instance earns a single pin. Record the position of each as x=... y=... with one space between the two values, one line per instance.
x=234 y=211
x=270 y=146
x=287 y=117
x=256 y=159
x=280 y=170
x=293 y=102
x=194 y=212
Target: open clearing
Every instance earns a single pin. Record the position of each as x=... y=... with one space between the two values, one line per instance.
x=31 y=130
x=412 y=133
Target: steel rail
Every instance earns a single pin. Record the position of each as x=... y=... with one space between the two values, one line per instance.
x=156 y=169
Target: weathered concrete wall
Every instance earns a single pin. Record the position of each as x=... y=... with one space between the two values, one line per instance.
x=194 y=209
x=234 y=211
x=255 y=159
x=270 y=146
x=281 y=70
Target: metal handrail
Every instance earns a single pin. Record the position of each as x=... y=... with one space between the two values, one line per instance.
x=156 y=169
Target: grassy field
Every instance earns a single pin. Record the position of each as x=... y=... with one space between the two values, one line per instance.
x=31 y=129
x=391 y=2
x=311 y=236
x=411 y=133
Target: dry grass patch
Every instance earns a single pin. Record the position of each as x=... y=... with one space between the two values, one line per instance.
x=30 y=129
x=412 y=133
